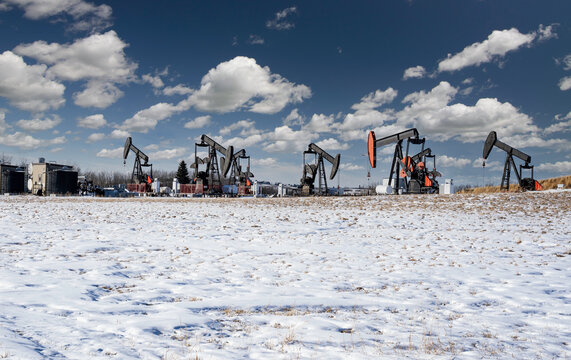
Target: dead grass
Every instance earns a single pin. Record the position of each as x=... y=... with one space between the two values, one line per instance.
x=548 y=184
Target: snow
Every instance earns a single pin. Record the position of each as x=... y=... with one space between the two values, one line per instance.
x=392 y=277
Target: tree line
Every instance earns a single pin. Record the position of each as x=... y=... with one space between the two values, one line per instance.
x=109 y=178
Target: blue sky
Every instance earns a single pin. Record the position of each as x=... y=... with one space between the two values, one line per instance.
x=78 y=77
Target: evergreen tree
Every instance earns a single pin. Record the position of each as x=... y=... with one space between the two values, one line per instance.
x=182 y=173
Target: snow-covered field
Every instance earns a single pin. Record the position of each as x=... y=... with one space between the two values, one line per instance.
x=439 y=277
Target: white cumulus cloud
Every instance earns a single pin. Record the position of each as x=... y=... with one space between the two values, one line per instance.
x=450 y=161
x=255 y=40
x=22 y=140
x=521 y=141
x=561 y=167
x=414 y=72
x=284 y=139
x=119 y=134
x=566 y=62
x=246 y=127
x=116 y=153
x=320 y=123
x=168 y=154
x=198 y=122
x=147 y=119
x=86 y=16
x=565 y=83
x=98 y=94
x=435 y=116
x=100 y=59
x=92 y=121
x=99 y=56
x=241 y=83
x=177 y=90
x=546 y=32
x=95 y=137
x=237 y=84
x=155 y=81
x=563 y=124
x=366 y=115
x=266 y=161
x=244 y=141
x=28 y=142
x=28 y=87
x=351 y=167
x=280 y=20
x=497 y=45
x=332 y=144
x=376 y=99
x=294 y=118
x=38 y=124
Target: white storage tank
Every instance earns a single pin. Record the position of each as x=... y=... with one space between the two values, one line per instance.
x=384 y=189
x=175 y=186
x=156 y=186
x=447 y=187
x=387 y=188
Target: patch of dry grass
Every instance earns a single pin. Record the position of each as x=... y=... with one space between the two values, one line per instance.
x=548 y=184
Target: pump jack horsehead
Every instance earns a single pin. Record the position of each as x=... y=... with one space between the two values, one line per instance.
x=524 y=183
x=310 y=171
x=138 y=176
x=415 y=178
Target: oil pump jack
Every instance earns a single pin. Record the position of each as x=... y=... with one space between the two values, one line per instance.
x=524 y=183
x=412 y=169
x=138 y=176
x=211 y=176
x=310 y=171
x=240 y=176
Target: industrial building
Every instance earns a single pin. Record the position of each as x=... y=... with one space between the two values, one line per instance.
x=12 y=179
x=53 y=179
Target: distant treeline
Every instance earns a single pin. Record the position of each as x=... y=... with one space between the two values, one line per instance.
x=108 y=178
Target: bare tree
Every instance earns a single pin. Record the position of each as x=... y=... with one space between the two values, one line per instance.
x=5 y=159
x=107 y=178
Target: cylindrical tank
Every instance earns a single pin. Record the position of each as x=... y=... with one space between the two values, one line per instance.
x=384 y=189
x=447 y=187
x=157 y=186
x=175 y=186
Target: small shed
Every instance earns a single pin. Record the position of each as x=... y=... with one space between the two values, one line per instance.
x=12 y=179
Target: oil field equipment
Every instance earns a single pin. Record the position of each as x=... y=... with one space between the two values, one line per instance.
x=12 y=179
x=49 y=178
x=210 y=178
x=240 y=173
x=410 y=172
x=317 y=168
x=141 y=180
x=524 y=183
